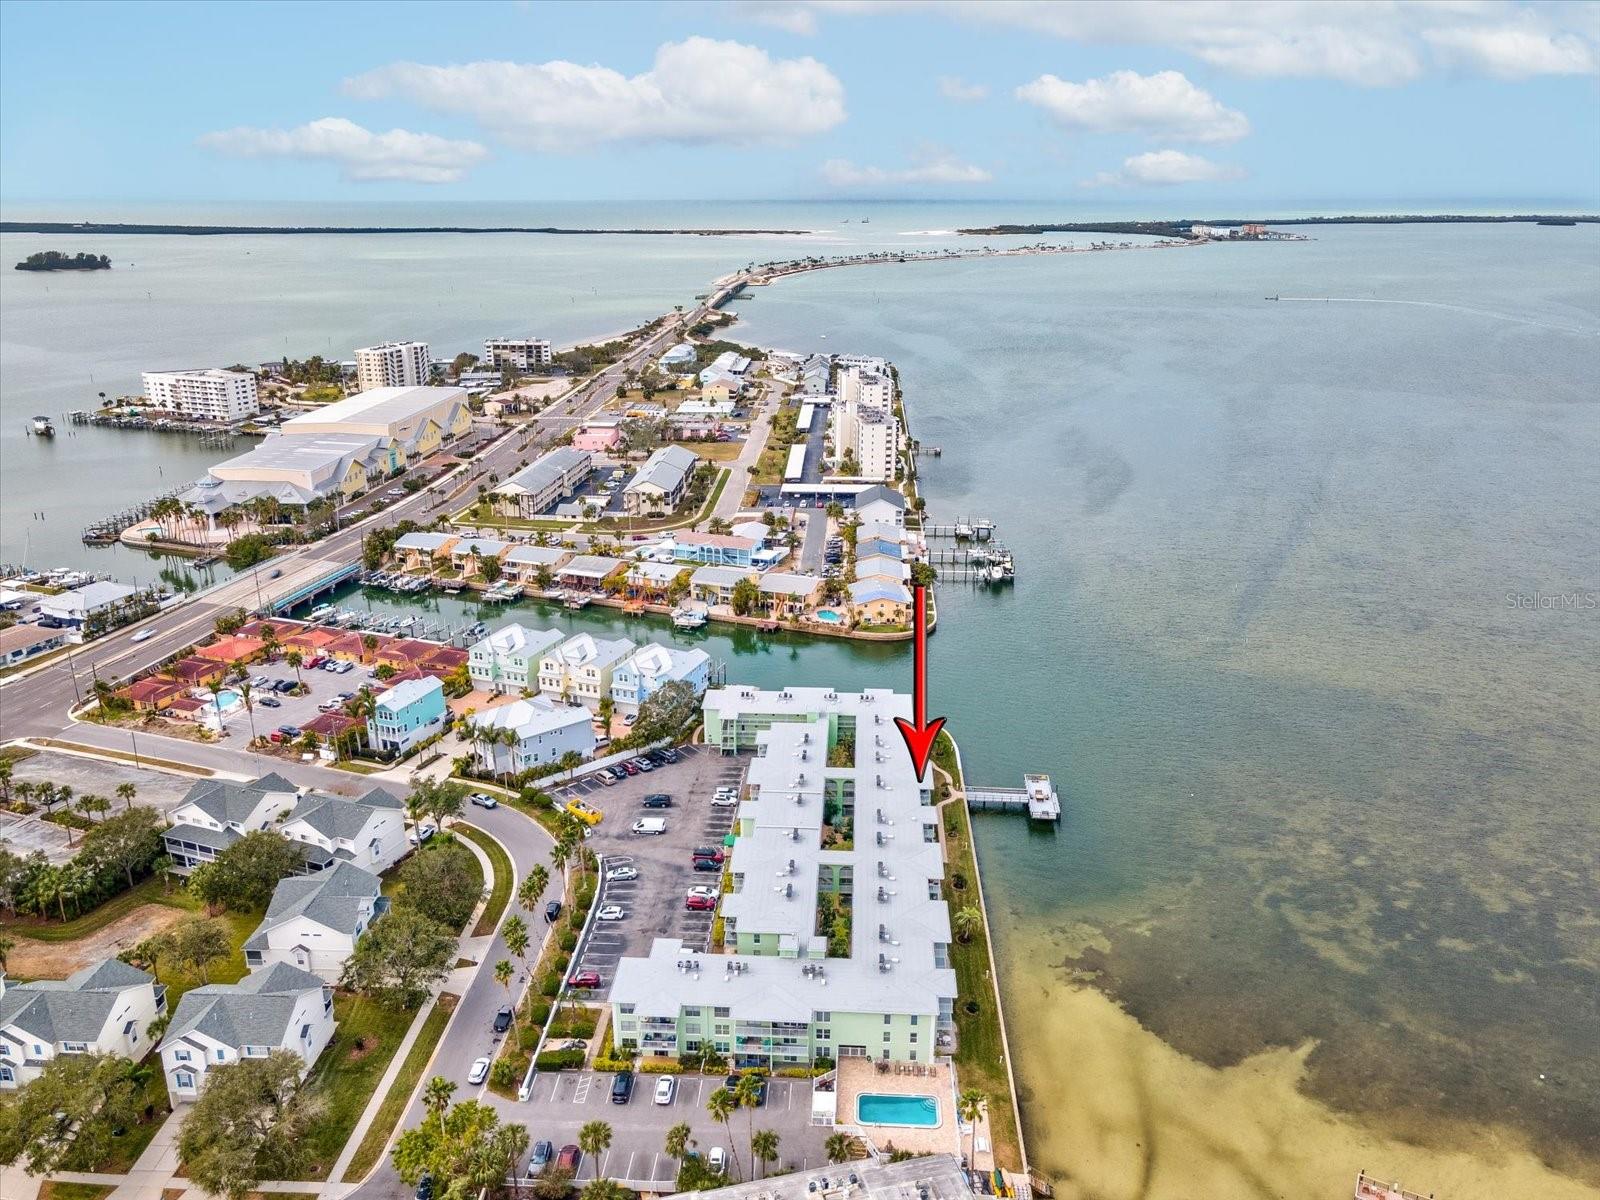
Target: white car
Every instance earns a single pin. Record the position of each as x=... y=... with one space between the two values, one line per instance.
x=144 y=635
x=717 y=1160
x=421 y=833
x=725 y=800
x=617 y=874
x=666 y=1089
x=709 y=893
x=650 y=826
x=610 y=912
x=479 y=1072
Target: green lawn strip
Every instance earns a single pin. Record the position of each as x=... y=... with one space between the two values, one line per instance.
x=148 y=891
x=54 y=1189
x=399 y=1098
x=357 y=768
x=16 y=754
x=346 y=1075
x=980 y=1050
x=504 y=878
x=132 y=1144
x=124 y=756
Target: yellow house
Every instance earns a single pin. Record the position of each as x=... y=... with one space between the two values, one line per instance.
x=880 y=601
x=719 y=391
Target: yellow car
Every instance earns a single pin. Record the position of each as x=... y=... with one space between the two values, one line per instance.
x=582 y=811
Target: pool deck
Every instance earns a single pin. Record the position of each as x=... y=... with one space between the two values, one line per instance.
x=860 y=1076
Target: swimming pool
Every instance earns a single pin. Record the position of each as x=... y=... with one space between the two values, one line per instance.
x=227 y=700
x=828 y=617
x=918 y=1112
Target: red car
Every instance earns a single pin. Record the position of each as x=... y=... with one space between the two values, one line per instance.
x=315 y=661
x=569 y=1158
x=629 y=767
x=585 y=979
x=696 y=903
x=712 y=853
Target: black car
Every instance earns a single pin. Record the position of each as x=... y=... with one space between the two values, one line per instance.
x=283 y=685
x=622 y=1087
x=707 y=864
x=552 y=912
x=425 y=1188
x=659 y=757
x=732 y=1082
x=502 y=1020
x=269 y=702
x=658 y=800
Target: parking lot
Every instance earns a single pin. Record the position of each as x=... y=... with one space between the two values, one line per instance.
x=653 y=904
x=275 y=709
x=562 y=1102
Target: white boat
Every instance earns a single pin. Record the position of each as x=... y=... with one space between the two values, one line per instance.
x=43 y=427
x=690 y=616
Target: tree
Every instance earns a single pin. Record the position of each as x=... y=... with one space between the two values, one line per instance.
x=722 y=1104
x=678 y=1141
x=594 y=1139
x=747 y=1093
x=442 y=883
x=294 y=658
x=746 y=596
x=464 y=1149
x=923 y=574
x=764 y=1147
x=435 y=798
x=966 y=921
x=245 y=874
x=68 y=1116
x=533 y=886
x=126 y=792
x=666 y=712
x=250 y=1123
x=7 y=945
x=400 y=958
x=503 y=974
x=129 y=842
x=971 y=1104
x=837 y=1147
x=604 y=1189
x=436 y=1096
x=197 y=942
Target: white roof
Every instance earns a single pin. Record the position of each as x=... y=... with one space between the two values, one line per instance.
x=656 y=572
x=519 y=639
x=719 y=576
x=87 y=599
x=586 y=650
x=424 y=541
x=656 y=661
x=788 y=584
x=532 y=716
x=379 y=405
x=590 y=566
x=407 y=691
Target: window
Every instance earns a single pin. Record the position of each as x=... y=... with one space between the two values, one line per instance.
x=719 y=1011
x=221 y=1054
x=887 y=1018
x=74 y=1047
x=180 y=1055
x=913 y=1018
x=255 y=1051
x=185 y=1080
x=130 y=1030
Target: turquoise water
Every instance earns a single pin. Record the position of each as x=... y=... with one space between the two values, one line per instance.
x=919 y=1112
x=828 y=617
x=226 y=699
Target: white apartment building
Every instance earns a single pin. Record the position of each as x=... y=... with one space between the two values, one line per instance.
x=106 y=1008
x=393 y=364
x=548 y=479
x=864 y=424
x=522 y=354
x=206 y=395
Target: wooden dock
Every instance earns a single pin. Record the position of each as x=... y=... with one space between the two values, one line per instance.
x=963 y=529
x=1037 y=797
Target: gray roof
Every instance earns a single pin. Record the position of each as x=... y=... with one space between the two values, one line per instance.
x=256 y=1011
x=334 y=816
x=211 y=839
x=273 y=782
x=378 y=798
x=788 y=584
x=337 y=899
x=666 y=469
x=545 y=470
x=878 y=492
x=225 y=801
x=720 y=576
x=72 y=1009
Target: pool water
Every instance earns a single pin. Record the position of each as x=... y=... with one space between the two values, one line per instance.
x=226 y=699
x=828 y=617
x=921 y=1112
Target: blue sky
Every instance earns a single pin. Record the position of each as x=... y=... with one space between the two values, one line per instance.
x=1161 y=107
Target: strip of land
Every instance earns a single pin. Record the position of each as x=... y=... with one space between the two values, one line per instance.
x=222 y=230
x=1180 y=228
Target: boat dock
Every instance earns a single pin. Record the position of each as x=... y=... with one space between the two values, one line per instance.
x=989 y=563
x=963 y=529
x=1037 y=797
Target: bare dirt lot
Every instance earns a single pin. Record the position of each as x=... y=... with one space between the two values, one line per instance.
x=56 y=960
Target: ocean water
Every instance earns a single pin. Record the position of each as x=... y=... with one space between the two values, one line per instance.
x=1301 y=629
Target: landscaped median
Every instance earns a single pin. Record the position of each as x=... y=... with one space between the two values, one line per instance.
x=504 y=879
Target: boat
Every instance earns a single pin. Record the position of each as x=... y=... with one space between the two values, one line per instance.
x=576 y=600
x=997 y=573
x=43 y=427
x=690 y=616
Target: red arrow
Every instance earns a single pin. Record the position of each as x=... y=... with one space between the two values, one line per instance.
x=919 y=736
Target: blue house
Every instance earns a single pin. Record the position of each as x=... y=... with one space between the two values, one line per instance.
x=406 y=714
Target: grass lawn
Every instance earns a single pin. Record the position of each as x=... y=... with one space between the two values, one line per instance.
x=980 y=1052
x=347 y=1075
x=52 y=1189
x=143 y=759
x=716 y=451
x=399 y=1098
x=16 y=754
x=96 y=919
x=504 y=878
x=357 y=768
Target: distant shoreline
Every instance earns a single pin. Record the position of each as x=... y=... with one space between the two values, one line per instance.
x=1181 y=228
x=76 y=227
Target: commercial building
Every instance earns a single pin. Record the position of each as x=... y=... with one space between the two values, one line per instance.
x=206 y=395
x=314 y=921
x=279 y=1007
x=91 y=600
x=297 y=470
x=680 y=355
x=507 y=661
x=579 y=669
x=413 y=421
x=106 y=1008
x=406 y=714
x=851 y=850
x=598 y=437
x=543 y=483
x=393 y=365
x=520 y=354
x=643 y=673
x=545 y=732
x=661 y=482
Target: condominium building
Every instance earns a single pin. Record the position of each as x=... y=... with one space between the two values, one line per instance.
x=651 y=667
x=507 y=661
x=547 y=480
x=661 y=482
x=865 y=429
x=105 y=1008
x=393 y=364
x=521 y=354
x=207 y=395
x=837 y=930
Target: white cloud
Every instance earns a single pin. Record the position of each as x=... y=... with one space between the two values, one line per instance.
x=1162 y=105
x=361 y=154
x=954 y=88
x=1513 y=51
x=1163 y=168
x=791 y=18
x=697 y=91
x=842 y=173
x=1370 y=43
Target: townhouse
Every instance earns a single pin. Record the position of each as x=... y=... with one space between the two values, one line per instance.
x=534 y=566
x=369 y=832
x=417 y=551
x=407 y=713
x=714 y=585
x=789 y=595
x=507 y=661
x=543 y=732
x=579 y=670
x=106 y=1008
x=648 y=669
x=216 y=813
x=314 y=921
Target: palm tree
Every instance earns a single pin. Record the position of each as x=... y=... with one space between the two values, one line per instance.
x=678 y=1142
x=436 y=1095
x=5 y=781
x=503 y=971
x=126 y=792
x=603 y=1189
x=559 y=851
x=89 y=804
x=837 y=1147
x=533 y=886
x=747 y=1094
x=22 y=789
x=721 y=1104
x=595 y=1138
x=966 y=922
x=63 y=795
x=245 y=690
x=294 y=658
x=970 y=1105
x=515 y=933
x=764 y=1147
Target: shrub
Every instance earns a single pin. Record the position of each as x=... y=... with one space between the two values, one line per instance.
x=538 y=1012
x=660 y=1066
x=563 y=960
x=559 y=1060
x=612 y=1064
x=568 y=942
x=549 y=986
x=504 y=1073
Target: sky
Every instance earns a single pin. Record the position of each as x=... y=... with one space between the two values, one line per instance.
x=1127 y=105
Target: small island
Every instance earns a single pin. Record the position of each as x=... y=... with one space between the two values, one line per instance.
x=54 y=260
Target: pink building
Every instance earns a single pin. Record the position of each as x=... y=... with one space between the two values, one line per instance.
x=598 y=436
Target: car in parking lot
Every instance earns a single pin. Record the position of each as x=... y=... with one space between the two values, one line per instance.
x=644 y=764
x=695 y=902
x=610 y=912
x=543 y=1152
x=261 y=681
x=585 y=979
x=289 y=731
x=606 y=777
x=569 y=1158
x=732 y=1081
x=657 y=800
x=552 y=912
x=649 y=826
x=707 y=864
x=717 y=1160
x=586 y=813
x=629 y=767
x=666 y=1089
x=725 y=798
x=269 y=702
x=502 y=1019
x=479 y=1072
x=621 y=874
x=715 y=853
x=622 y=1087
x=284 y=685
x=666 y=754
x=484 y=801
